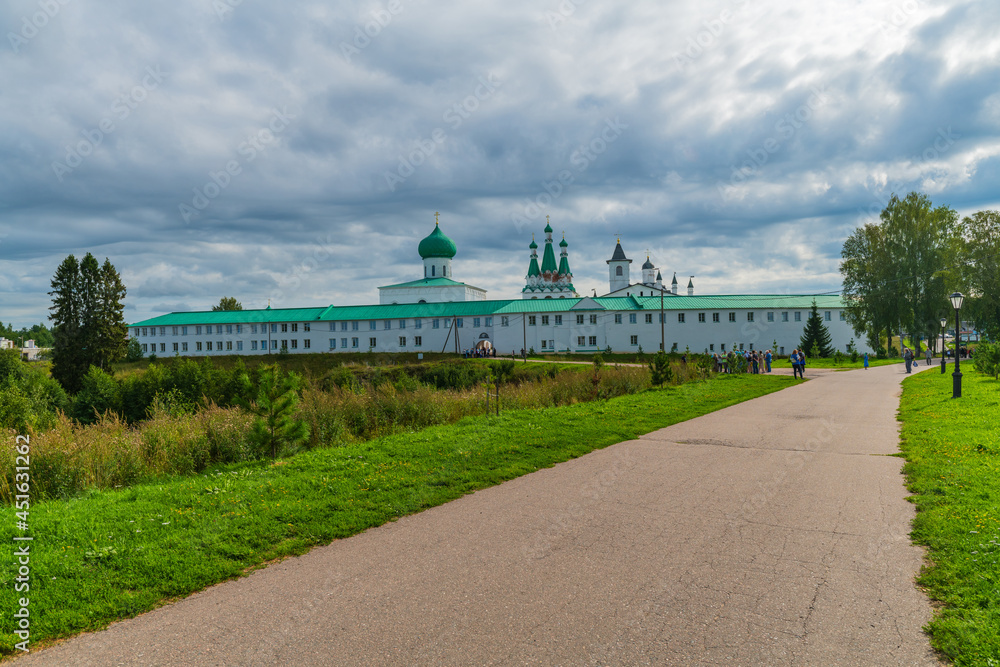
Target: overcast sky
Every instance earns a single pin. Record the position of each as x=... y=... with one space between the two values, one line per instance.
x=297 y=151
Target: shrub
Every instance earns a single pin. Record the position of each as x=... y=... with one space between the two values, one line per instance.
x=100 y=393
x=986 y=359
x=660 y=370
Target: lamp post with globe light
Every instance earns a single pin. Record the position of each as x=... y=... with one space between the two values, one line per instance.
x=956 y=301
x=944 y=323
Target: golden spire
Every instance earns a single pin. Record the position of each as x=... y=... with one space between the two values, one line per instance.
x=436 y=216
x=546 y=220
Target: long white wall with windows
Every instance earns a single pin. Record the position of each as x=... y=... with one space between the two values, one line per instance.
x=712 y=324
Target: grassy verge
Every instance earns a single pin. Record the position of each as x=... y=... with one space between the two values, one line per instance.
x=952 y=448
x=820 y=362
x=115 y=554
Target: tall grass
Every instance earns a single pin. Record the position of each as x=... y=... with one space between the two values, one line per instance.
x=72 y=457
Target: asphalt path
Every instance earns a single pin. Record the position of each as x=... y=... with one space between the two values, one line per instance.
x=774 y=532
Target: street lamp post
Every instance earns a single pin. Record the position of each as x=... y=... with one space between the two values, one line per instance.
x=944 y=323
x=956 y=301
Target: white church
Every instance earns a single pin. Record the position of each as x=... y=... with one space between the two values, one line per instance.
x=436 y=313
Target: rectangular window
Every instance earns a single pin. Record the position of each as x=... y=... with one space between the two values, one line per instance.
x=284 y=344
x=593 y=319
x=458 y=322
x=284 y=327
x=184 y=347
x=306 y=327
x=649 y=318
x=229 y=329
x=418 y=324
x=176 y=347
x=504 y=321
x=239 y=346
x=489 y=321
x=372 y=342
x=218 y=328
x=387 y=325
x=343 y=326
x=253 y=328
x=197 y=346
x=741 y=347
x=732 y=317
x=770 y=317
x=715 y=317
x=295 y=343
x=274 y=344
x=152 y=332
x=208 y=346
x=144 y=347
x=333 y=326
x=711 y=347
x=402 y=324
x=402 y=341
x=218 y=345
x=295 y=327
x=435 y=324
x=750 y=317
x=476 y=321
x=263 y=344
x=253 y=345
x=632 y=318
x=531 y=320
x=545 y=320
x=826 y=315
x=163 y=332
x=333 y=343
x=781 y=350
x=274 y=328
x=417 y=341
x=173 y=330
x=723 y=347
x=593 y=341
x=634 y=340
x=579 y=319
x=447 y=323
x=751 y=347
x=343 y=342
x=680 y=318
x=843 y=316
x=239 y=328
x=558 y=320
x=581 y=340
x=545 y=344
x=307 y=343
x=798 y=316
x=371 y=325
x=784 y=316
x=144 y=331
x=701 y=317
x=618 y=318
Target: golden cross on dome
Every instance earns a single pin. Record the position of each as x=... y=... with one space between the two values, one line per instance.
x=436 y=216
x=618 y=235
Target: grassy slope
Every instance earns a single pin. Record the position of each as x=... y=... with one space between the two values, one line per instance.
x=952 y=449
x=116 y=554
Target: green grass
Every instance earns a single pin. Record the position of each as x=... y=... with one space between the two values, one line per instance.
x=952 y=448
x=115 y=554
x=829 y=362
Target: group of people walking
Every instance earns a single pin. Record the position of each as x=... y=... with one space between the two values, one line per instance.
x=754 y=361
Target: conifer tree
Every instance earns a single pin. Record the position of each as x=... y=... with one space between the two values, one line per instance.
x=68 y=363
x=815 y=336
x=111 y=332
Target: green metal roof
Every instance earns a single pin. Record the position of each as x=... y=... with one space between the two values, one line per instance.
x=496 y=307
x=431 y=282
x=549 y=259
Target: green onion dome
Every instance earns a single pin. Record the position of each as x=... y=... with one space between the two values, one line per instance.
x=437 y=245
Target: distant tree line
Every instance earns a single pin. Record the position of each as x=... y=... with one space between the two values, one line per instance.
x=89 y=327
x=37 y=332
x=899 y=271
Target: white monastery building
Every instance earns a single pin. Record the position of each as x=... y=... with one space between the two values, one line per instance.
x=437 y=313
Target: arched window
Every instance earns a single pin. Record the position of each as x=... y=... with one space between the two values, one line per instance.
x=618 y=270
x=425 y=272
x=422 y=301
x=432 y=270
x=444 y=270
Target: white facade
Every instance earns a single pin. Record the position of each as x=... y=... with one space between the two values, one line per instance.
x=434 y=290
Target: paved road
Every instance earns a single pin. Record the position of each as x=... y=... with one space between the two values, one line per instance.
x=770 y=533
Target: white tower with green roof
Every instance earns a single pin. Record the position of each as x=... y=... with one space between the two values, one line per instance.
x=437 y=285
x=550 y=280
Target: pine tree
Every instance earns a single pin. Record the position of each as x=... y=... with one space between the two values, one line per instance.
x=660 y=370
x=276 y=426
x=90 y=284
x=815 y=336
x=111 y=333
x=68 y=362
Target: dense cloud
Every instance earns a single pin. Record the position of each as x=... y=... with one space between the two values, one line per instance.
x=297 y=151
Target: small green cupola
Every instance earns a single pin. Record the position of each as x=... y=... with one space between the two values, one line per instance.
x=436 y=250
